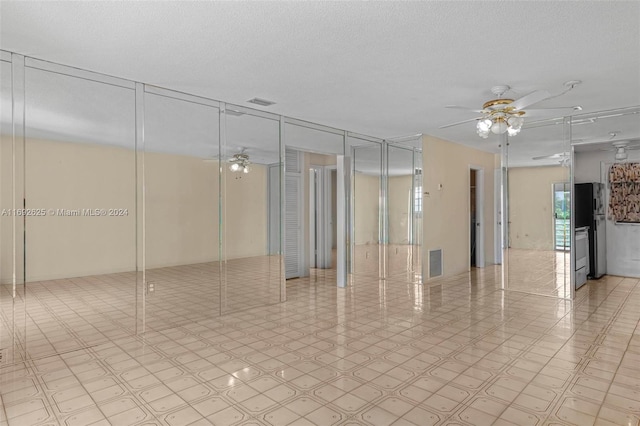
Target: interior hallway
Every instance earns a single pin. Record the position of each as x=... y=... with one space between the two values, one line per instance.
x=377 y=353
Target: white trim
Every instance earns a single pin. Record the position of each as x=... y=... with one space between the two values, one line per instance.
x=167 y=93
x=313 y=224
x=79 y=73
x=343 y=184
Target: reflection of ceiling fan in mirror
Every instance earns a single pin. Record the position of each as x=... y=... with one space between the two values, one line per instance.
x=240 y=162
x=561 y=157
x=502 y=114
x=621 y=148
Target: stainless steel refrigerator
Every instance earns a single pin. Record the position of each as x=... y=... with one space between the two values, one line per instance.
x=590 y=211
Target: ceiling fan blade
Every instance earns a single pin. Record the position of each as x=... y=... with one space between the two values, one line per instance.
x=561 y=112
x=459 y=122
x=558 y=156
x=530 y=99
x=463 y=108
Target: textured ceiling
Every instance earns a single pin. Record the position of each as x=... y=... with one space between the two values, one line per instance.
x=385 y=69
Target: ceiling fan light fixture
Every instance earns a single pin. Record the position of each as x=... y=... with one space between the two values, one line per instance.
x=239 y=162
x=484 y=125
x=512 y=132
x=484 y=134
x=621 y=154
x=515 y=122
x=499 y=126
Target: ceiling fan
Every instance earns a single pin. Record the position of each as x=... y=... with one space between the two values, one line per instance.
x=621 y=148
x=561 y=157
x=502 y=114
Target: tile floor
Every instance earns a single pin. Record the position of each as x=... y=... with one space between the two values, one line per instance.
x=544 y=272
x=67 y=314
x=381 y=352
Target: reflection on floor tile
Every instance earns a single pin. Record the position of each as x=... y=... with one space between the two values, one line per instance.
x=380 y=352
x=544 y=272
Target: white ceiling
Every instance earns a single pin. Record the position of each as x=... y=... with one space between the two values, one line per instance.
x=385 y=69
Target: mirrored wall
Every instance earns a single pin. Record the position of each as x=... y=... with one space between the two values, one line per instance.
x=133 y=209
x=368 y=238
x=129 y=208
x=251 y=237
x=312 y=201
x=605 y=144
x=12 y=312
x=537 y=224
x=181 y=175
x=404 y=212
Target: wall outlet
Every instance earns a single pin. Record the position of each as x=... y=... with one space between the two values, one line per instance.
x=151 y=287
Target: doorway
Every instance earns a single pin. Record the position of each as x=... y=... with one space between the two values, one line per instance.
x=476 y=217
x=561 y=216
x=322 y=216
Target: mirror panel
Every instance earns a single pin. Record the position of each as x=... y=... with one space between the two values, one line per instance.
x=80 y=235
x=368 y=242
x=599 y=141
x=251 y=255
x=12 y=320
x=538 y=212
x=311 y=203
x=181 y=237
x=404 y=173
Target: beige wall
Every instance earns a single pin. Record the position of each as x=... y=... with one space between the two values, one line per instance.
x=400 y=191
x=7 y=221
x=531 y=206
x=246 y=221
x=446 y=209
x=75 y=177
x=181 y=210
x=366 y=208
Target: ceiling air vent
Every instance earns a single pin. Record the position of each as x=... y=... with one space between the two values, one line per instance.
x=261 y=102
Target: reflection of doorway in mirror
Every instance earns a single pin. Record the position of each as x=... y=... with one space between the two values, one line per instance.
x=561 y=215
x=322 y=216
x=472 y=216
x=476 y=217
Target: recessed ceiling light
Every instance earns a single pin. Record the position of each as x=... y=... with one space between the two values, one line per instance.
x=261 y=102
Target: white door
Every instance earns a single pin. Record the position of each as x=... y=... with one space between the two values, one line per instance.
x=293 y=250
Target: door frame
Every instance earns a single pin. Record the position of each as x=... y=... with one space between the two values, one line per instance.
x=480 y=195
x=320 y=226
x=555 y=219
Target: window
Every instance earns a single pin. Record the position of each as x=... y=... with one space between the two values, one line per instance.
x=417 y=196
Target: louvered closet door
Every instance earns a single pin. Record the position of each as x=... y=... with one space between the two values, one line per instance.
x=293 y=214
x=292 y=226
